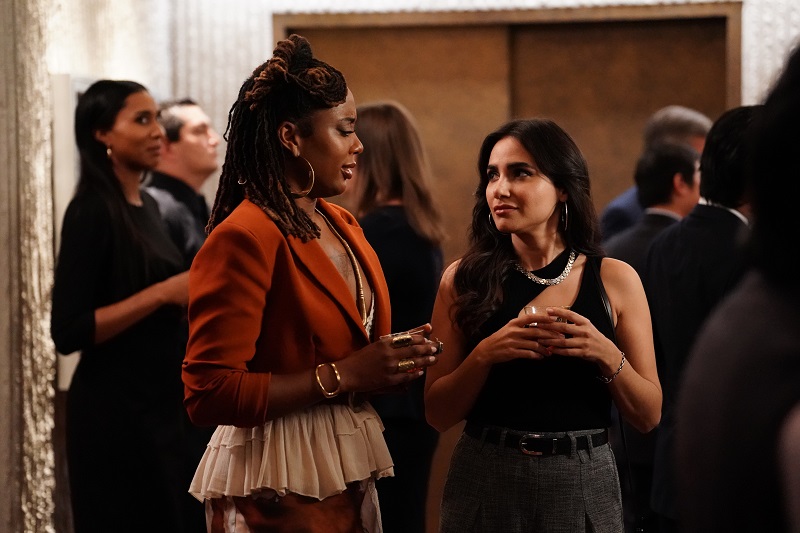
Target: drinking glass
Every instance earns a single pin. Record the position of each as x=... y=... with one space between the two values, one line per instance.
x=541 y=310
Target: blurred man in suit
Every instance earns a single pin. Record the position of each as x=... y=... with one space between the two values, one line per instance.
x=188 y=160
x=738 y=433
x=674 y=123
x=690 y=267
x=667 y=179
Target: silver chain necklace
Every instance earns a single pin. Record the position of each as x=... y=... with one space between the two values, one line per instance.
x=554 y=281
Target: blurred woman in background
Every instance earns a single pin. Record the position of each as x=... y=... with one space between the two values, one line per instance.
x=391 y=196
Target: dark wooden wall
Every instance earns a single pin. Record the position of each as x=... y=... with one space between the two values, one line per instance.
x=601 y=81
x=598 y=80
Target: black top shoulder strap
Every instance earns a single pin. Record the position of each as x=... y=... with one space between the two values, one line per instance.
x=594 y=266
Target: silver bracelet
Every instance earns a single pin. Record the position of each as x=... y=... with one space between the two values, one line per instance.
x=609 y=380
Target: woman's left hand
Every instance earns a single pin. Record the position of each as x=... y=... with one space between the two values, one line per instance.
x=581 y=338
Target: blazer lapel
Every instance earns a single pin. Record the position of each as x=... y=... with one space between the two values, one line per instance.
x=370 y=266
x=321 y=269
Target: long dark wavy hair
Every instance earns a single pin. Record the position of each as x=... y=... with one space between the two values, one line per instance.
x=290 y=86
x=487 y=261
x=97 y=110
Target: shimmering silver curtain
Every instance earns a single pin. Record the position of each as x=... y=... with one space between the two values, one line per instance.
x=119 y=39
x=215 y=47
x=27 y=265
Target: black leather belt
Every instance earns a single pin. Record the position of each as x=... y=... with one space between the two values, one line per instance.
x=534 y=443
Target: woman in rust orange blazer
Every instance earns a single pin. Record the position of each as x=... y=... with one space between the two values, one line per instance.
x=287 y=307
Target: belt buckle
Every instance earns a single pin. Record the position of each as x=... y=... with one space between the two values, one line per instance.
x=524 y=438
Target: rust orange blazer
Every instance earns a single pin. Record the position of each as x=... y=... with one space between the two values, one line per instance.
x=262 y=303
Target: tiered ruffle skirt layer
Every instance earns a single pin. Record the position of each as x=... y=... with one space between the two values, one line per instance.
x=315 y=452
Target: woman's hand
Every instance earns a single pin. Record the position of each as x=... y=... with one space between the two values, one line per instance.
x=390 y=362
x=518 y=339
x=113 y=319
x=454 y=384
x=578 y=338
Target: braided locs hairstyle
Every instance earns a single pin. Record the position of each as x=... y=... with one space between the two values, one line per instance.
x=290 y=86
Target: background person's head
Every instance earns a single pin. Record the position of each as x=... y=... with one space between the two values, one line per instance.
x=722 y=164
x=189 y=152
x=288 y=90
x=115 y=125
x=394 y=168
x=667 y=174
x=677 y=124
x=119 y=139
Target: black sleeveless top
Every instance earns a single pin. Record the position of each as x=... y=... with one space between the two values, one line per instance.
x=557 y=393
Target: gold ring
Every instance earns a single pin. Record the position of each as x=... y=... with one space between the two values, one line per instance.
x=400 y=340
x=406 y=365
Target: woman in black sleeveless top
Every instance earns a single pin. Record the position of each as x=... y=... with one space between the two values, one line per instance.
x=536 y=392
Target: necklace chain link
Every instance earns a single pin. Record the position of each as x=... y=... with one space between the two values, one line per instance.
x=361 y=300
x=543 y=281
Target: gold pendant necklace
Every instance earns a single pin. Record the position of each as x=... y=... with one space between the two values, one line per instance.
x=360 y=300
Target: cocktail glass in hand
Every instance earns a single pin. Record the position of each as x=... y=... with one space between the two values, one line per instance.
x=541 y=310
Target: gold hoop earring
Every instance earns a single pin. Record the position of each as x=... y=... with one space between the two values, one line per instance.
x=311 y=177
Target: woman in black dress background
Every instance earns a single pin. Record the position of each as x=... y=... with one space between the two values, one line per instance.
x=119 y=298
x=390 y=194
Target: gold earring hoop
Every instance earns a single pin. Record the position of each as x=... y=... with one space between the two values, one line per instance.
x=311 y=177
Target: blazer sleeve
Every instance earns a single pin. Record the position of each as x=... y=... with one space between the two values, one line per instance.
x=229 y=282
x=255 y=302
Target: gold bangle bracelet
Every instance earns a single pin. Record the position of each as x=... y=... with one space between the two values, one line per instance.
x=326 y=392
